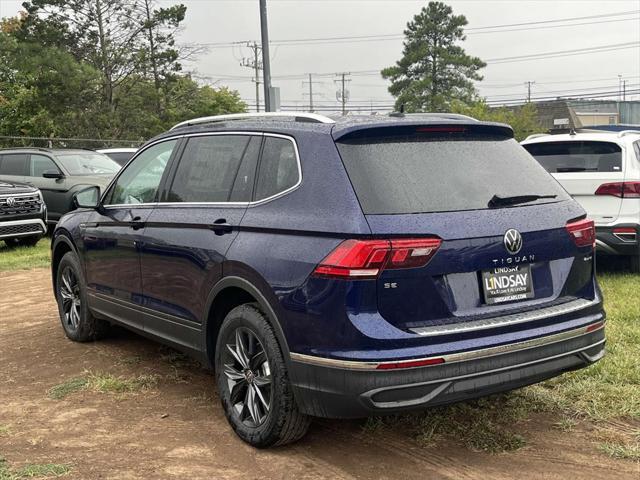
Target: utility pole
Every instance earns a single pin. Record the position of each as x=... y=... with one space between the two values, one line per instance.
x=528 y=84
x=266 y=64
x=310 y=82
x=256 y=65
x=624 y=90
x=619 y=87
x=342 y=95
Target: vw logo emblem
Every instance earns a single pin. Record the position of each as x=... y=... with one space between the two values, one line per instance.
x=11 y=201
x=512 y=241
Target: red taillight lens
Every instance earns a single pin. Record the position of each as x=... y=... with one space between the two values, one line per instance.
x=620 y=189
x=441 y=129
x=583 y=233
x=410 y=364
x=367 y=258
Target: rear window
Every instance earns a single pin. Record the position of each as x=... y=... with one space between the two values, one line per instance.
x=577 y=156
x=421 y=174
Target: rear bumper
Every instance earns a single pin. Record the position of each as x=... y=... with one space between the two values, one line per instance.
x=610 y=241
x=343 y=389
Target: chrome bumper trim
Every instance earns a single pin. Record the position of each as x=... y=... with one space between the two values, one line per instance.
x=453 y=357
x=505 y=320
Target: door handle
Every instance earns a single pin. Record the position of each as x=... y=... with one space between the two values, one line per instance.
x=220 y=226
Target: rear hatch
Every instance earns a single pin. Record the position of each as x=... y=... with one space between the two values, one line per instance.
x=582 y=167
x=499 y=216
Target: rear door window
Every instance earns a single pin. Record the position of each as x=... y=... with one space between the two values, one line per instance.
x=577 y=156
x=418 y=173
x=15 y=164
x=208 y=168
x=41 y=164
x=278 y=169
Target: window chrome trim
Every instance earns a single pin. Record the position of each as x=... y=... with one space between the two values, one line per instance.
x=215 y=204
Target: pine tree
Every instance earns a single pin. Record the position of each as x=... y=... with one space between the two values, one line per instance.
x=434 y=70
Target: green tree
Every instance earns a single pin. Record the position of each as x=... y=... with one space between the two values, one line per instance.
x=523 y=118
x=434 y=71
x=126 y=40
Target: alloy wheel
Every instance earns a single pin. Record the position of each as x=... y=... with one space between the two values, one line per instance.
x=70 y=294
x=248 y=376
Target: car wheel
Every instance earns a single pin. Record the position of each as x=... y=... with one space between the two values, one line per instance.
x=77 y=321
x=23 y=241
x=253 y=383
x=634 y=263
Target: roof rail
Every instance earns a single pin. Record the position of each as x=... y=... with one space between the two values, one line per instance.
x=536 y=135
x=41 y=149
x=628 y=132
x=296 y=116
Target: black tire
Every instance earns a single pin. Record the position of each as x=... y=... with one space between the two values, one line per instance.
x=634 y=263
x=80 y=326
x=23 y=241
x=280 y=422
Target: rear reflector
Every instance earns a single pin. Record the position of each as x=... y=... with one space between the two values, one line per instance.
x=595 y=326
x=624 y=230
x=367 y=258
x=583 y=233
x=410 y=364
x=620 y=189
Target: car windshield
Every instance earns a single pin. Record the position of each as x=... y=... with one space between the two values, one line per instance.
x=88 y=163
x=577 y=156
x=418 y=174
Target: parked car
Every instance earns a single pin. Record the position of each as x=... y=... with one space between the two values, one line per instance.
x=602 y=172
x=23 y=214
x=58 y=173
x=338 y=269
x=120 y=155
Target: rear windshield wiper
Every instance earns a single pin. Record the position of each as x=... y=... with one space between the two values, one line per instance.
x=497 y=201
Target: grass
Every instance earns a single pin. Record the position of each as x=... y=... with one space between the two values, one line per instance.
x=622 y=451
x=4 y=430
x=103 y=383
x=35 y=470
x=60 y=391
x=24 y=258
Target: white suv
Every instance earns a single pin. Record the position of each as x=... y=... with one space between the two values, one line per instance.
x=601 y=170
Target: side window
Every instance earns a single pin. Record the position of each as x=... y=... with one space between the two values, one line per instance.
x=41 y=164
x=278 y=168
x=139 y=182
x=208 y=168
x=14 y=164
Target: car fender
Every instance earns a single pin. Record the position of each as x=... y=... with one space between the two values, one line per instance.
x=266 y=301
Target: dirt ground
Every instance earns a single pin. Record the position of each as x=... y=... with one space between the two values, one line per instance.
x=177 y=429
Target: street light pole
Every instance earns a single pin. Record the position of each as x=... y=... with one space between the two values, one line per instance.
x=266 y=65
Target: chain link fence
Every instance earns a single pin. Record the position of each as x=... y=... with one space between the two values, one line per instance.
x=12 y=141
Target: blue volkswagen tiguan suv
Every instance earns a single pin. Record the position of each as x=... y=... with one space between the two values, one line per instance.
x=337 y=268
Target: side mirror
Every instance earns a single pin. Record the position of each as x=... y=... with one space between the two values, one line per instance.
x=52 y=174
x=88 y=198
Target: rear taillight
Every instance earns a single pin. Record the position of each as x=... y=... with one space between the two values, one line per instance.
x=583 y=233
x=620 y=189
x=367 y=258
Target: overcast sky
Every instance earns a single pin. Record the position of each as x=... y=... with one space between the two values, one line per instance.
x=217 y=22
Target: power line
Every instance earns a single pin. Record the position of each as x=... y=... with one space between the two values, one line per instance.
x=468 y=31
